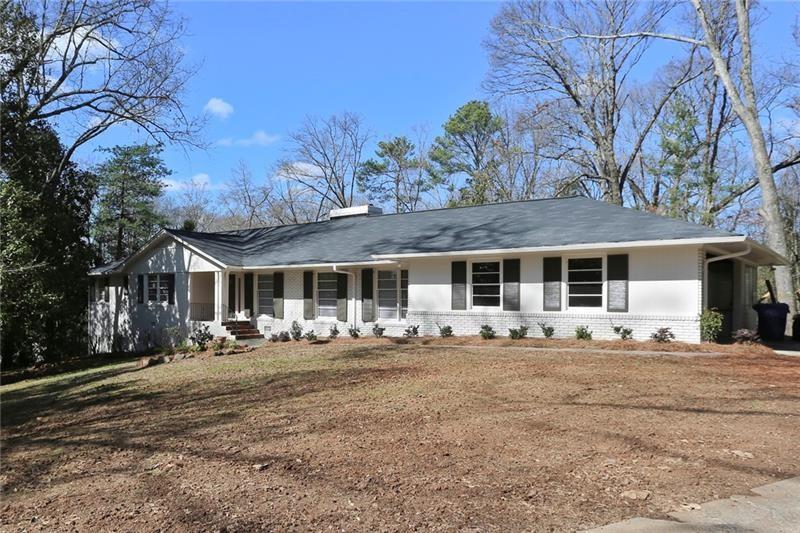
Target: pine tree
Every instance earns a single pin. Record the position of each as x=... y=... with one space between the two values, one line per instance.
x=131 y=181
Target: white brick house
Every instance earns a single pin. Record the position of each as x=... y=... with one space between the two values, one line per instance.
x=563 y=262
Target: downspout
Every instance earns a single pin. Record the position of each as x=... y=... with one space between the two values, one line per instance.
x=732 y=255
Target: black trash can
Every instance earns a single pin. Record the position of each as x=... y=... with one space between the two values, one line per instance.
x=771 y=321
x=796 y=328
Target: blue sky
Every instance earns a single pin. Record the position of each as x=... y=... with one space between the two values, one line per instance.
x=398 y=65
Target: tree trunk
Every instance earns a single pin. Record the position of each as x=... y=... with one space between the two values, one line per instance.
x=745 y=105
x=770 y=212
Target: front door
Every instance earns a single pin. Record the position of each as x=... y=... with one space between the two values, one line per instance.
x=231 y=295
x=720 y=293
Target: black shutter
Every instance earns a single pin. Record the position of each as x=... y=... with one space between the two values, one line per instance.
x=367 y=305
x=277 y=295
x=341 y=297
x=140 y=288
x=308 y=295
x=458 y=290
x=617 y=282
x=106 y=290
x=171 y=288
x=231 y=295
x=248 y=292
x=552 y=283
x=511 y=285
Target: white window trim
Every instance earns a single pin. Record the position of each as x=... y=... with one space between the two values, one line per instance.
x=565 y=284
x=469 y=285
x=158 y=302
x=396 y=319
x=317 y=315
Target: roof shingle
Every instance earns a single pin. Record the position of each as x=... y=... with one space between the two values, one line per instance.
x=523 y=224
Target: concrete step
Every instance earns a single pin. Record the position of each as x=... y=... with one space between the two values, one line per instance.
x=251 y=335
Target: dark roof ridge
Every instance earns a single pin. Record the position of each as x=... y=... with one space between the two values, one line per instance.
x=507 y=202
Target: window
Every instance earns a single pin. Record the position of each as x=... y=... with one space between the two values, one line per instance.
x=392 y=288
x=160 y=288
x=326 y=294
x=163 y=287
x=387 y=294
x=152 y=287
x=403 y=293
x=585 y=282
x=265 y=294
x=486 y=284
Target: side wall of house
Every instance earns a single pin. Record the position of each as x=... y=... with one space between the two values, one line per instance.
x=124 y=324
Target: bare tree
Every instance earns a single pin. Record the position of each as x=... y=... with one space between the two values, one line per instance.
x=585 y=85
x=191 y=205
x=712 y=17
x=523 y=168
x=289 y=203
x=246 y=203
x=91 y=65
x=326 y=156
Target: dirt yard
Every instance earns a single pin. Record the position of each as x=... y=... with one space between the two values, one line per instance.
x=394 y=437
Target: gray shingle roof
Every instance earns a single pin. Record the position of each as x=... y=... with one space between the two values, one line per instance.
x=523 y=224
x=108 y=267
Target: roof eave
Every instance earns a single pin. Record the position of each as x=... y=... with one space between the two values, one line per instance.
x=569 y=247
x=163 y=233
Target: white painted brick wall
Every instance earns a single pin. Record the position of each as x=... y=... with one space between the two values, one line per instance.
x=686 y=329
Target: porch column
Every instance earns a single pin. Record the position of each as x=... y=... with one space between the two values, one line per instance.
x=218 y=296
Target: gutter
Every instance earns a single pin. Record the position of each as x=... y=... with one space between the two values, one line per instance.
x=568 y=247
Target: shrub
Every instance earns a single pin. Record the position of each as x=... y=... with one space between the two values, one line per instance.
x=445 y=331
x=218 y=343
x=183 y=347
x=411 y=331
x=710 y=325
x=296 y=330
x=333 y=332
x=283 y=336
x=377 y=330
x=354 y=331
x=547 y=331
x=518 y=333
x=623 y=332
x=201 y=336
x=583 y=333
x=229 y=343
x=746 y=336
x=310 y=335
x=487 y=332
x=663 y=335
